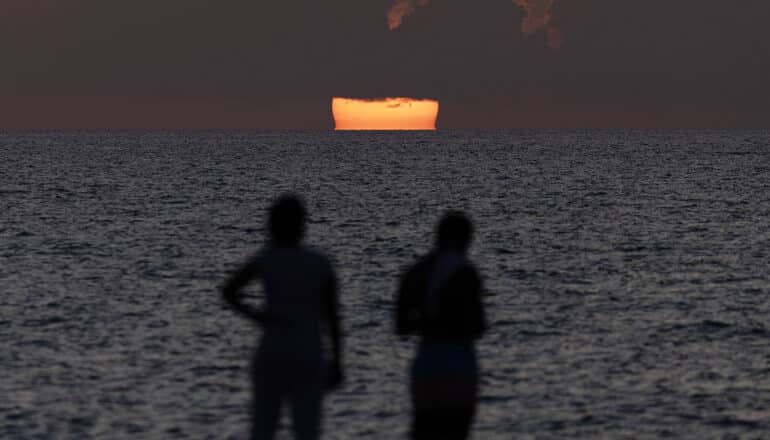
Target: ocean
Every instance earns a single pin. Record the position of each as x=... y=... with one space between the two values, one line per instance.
x=626 y=274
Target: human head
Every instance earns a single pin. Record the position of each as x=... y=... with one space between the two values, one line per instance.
x=454 y=231
x=286 y=219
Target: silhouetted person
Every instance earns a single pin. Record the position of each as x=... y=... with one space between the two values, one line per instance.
x=440 y=299
x=300 y=304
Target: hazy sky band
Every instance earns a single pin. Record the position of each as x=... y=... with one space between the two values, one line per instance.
x=87 y=63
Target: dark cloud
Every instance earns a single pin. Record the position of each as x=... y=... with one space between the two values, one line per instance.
x=196 y=63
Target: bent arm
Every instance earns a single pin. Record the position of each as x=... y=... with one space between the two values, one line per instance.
x=476 y=307
x=407 y=310
x=232 y=295
x=331 y=308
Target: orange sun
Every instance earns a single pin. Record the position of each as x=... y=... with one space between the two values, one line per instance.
x=384 y=114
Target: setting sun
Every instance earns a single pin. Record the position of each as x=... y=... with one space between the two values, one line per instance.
x=384 y=114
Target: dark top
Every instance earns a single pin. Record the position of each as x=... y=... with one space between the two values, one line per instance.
x=300 y=297
x=440 y=307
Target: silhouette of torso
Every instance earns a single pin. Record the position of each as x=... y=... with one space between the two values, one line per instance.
x=294 y=279
x=440 y=299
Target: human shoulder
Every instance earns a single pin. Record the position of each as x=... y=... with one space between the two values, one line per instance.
x=419 y=270
x=468 y=276
x=263 y=253
x=315 y=253
x=317 y=257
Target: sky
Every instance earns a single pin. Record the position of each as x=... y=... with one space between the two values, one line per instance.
x=277 y=64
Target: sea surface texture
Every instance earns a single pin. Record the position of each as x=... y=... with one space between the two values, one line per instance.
x=627 y=277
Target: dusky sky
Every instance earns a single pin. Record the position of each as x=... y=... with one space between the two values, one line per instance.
x=277 y=64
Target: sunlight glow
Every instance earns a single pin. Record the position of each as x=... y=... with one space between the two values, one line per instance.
x=384 y=114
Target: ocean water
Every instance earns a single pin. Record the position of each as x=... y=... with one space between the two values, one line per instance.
x=627 y=277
